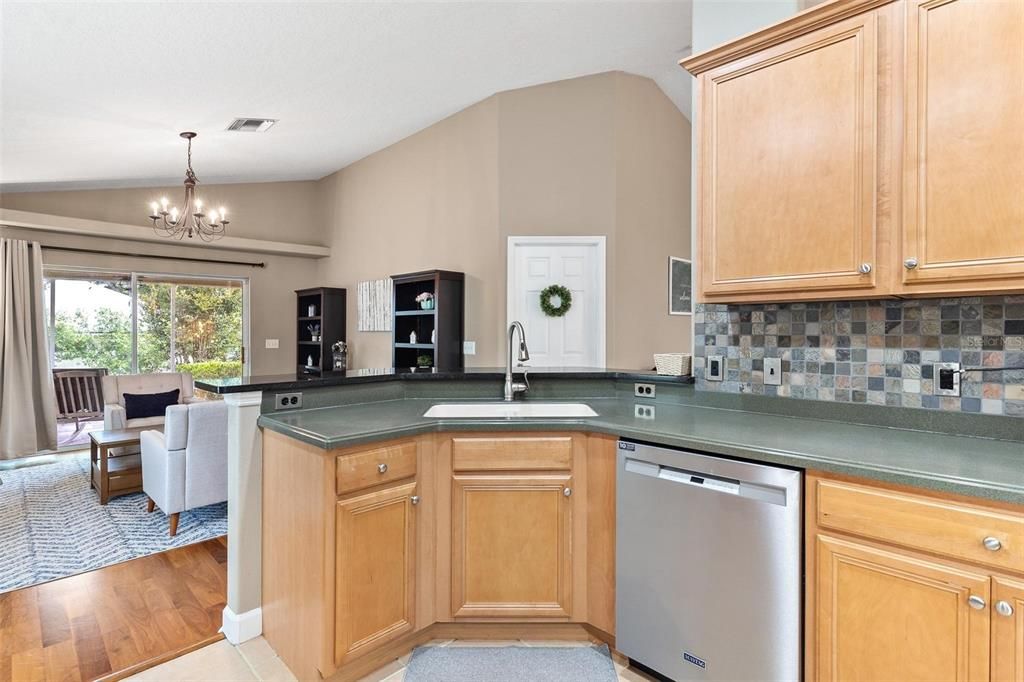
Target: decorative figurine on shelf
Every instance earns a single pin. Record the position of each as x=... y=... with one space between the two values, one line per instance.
x=311 y=310
x=309 y=362
x=314 y=332
x=340 y=352
x=424 y=361
x=412 y=337
x=433 y=336
x=426 y=300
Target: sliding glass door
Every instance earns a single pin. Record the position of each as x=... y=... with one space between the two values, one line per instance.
x=129 y=323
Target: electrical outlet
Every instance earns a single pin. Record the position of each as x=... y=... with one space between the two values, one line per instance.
x=643 y=411
x=469 y=347
x=271 y=343
x=288 y=401
x=644 y=390
x=773 y=371
x=714 y=369
x=946 y=376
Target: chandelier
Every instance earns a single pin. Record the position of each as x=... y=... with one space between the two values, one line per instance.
x=190 y=221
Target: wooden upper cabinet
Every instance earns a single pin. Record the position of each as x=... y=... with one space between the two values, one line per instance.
x=789 y=165
x=375 y=570
x=888 y=616
x=1007 y=630
x=963 y=227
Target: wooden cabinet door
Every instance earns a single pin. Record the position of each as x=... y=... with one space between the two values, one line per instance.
x=1007 y=630
x=512 y=545
x=886 y=616
x=789 y=148
x=964 y=157
x=375 y=570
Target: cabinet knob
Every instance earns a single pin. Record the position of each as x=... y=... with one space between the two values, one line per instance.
x=1003 y=608
x=415 y=499
x=865 y=268
x=910 y=263
x=382 y=468
x=567 y=492
x=992 y=544
x=976 y=602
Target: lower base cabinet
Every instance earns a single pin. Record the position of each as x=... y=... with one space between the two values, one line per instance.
x=512 y=545
x=370 y=549
x=894 y=594
x=887 y=616
x=374 y=590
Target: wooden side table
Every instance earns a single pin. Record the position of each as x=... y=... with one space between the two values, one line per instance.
x=113 y=475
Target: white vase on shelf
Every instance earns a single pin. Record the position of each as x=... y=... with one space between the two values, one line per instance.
x=412 y=337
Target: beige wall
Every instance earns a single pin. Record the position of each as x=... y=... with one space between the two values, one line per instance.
x=285 y=211
x=600 y=155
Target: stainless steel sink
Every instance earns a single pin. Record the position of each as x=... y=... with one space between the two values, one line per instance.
x=509 y=410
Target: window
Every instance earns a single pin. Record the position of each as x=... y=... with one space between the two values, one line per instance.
x=142 y=322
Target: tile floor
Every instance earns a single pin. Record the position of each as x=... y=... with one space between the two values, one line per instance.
x=256 y=661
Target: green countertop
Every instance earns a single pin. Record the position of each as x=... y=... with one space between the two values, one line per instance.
x=980 y=467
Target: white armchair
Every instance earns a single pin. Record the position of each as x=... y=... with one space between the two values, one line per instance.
x=186 y=466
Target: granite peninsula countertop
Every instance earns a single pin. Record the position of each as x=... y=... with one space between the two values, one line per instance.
x=288 y=382
x=979 y=467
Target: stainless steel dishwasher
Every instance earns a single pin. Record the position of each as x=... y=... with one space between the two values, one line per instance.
x=708 y=576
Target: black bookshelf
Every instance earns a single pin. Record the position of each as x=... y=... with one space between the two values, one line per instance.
x=329 y=312
x=440 y=330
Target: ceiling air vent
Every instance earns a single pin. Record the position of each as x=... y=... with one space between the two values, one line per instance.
x=252 y=125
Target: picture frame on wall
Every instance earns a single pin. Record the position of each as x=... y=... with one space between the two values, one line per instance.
x=680 y=286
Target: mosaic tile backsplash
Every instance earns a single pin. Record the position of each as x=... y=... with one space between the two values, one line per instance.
x=877 y=352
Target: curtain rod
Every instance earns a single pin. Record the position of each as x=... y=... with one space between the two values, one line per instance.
x=259 y=264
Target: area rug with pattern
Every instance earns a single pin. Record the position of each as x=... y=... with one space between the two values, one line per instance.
x=52 y=524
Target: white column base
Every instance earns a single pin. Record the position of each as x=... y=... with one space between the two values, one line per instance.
x=240 y=627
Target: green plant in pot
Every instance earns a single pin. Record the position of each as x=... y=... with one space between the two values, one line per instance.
x=424 y=361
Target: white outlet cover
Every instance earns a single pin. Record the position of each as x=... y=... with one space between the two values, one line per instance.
x=773 y=371
x=469 y=347
x=272 y=343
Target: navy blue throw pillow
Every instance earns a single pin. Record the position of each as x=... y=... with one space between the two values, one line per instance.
x=137 y=405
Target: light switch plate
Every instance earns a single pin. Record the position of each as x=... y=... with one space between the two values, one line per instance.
x=469 y=347
x=272 y=343
x=952 y=386
x=714 y=368
x=773 y=371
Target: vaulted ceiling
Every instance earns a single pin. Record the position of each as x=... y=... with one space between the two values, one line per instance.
x=93 y=94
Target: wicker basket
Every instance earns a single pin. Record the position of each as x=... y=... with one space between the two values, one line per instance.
x=672 y=364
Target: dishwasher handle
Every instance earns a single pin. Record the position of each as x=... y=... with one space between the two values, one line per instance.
x=728 y=486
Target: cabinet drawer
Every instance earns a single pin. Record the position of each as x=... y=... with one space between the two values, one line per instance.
x=509 y=454
x=363 y=469
x=948 y=528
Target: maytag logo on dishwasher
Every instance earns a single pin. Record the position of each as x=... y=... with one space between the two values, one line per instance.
x=699 y=662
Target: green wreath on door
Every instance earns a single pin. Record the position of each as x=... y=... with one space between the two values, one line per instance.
x=564 y=297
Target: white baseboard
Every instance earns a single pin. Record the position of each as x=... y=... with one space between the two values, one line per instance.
x=240 y=627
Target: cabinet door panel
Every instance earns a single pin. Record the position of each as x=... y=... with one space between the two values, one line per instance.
x=1008 y=631
x=964 y=160
x=887 y=616
x=375 y=570
x=788 y=165
x=511 y=545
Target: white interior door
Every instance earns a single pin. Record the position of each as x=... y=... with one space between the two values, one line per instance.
x=576 y=339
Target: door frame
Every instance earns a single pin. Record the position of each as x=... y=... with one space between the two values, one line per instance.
x=596 y=241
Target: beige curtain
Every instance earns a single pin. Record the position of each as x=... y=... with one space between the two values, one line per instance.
x=28 y=407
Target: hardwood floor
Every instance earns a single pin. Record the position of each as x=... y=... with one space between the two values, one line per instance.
x=117 y=619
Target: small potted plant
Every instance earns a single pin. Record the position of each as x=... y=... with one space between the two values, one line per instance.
x=424 y=361
x=426 y=300
x=314 y=332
